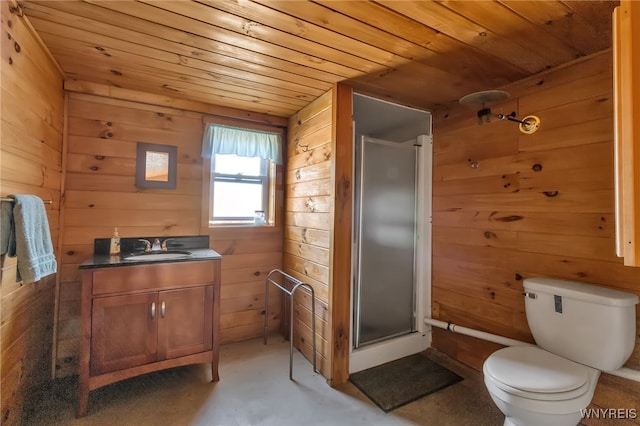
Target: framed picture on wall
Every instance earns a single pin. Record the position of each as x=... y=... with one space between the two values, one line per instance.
x=156 y=166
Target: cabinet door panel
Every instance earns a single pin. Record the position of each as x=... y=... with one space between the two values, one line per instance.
x=124 y=332
x=186 y=326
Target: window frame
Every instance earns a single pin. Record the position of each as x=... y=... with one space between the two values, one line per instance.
x=275 y=196
x=265 y=179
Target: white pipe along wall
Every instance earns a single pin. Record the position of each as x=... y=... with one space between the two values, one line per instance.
x=624 y=372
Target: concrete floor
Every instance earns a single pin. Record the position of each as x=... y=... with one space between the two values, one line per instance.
x=255 y=390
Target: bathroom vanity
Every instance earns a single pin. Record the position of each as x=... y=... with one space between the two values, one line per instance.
x=141 y=315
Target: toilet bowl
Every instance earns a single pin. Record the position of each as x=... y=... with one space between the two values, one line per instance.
x=580 y=330
x=532 y=386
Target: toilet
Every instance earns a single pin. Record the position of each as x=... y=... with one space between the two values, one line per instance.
x=580 y=330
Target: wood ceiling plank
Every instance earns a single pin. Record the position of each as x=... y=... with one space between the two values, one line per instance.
x=321 y=16
x=114 y=66
x=177 y=89
x=508 y=25
x=304 y=12
x=183 y=55
x=226 y=42
x=270 y=56
x=170 y=62
x=443 y=51
x=531 y=10
x=290 y=27
x=558 y=19
x=190 y=17
x=598 y=13
x=151 y=83
x=454 y=25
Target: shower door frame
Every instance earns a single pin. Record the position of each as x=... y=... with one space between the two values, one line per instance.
x=373 y=354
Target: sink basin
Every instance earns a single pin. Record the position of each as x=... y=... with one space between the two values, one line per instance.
x=164 y=255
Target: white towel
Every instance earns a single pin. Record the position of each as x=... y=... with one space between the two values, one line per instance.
x=33 y=246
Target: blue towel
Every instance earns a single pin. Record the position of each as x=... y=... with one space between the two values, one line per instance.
x=33 y=245
x=7 y=230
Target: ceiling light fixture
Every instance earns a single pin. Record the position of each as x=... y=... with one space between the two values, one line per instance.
x=527 y=125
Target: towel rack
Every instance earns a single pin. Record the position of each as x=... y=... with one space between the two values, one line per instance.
x=11 y=200
x=296 y=285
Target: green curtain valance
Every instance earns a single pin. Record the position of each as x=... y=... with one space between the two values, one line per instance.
x=219 y=139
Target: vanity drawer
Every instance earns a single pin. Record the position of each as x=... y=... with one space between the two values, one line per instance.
x=155 y=276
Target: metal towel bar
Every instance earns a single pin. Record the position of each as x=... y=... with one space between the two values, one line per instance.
x=296 y=285
x=11 y=200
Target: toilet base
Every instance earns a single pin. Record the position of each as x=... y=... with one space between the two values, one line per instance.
x=509 y=421
x=518 y=416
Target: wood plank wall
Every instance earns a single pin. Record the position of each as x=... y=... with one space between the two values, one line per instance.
x=309 y=221
x=100 y=194
x=536 y=205
x=31 y=163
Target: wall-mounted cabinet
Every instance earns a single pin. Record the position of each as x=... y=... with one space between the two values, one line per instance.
x=626 y=47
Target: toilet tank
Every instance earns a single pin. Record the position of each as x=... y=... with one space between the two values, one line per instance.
x=592 y=325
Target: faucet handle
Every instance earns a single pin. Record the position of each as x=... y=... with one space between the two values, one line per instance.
x=147 y=244
x=164 y=244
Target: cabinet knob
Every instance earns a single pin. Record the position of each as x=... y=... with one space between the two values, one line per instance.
x=153 y=310
x=163 y=309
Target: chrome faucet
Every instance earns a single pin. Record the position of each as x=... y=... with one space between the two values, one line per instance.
x=164 y=244
x=147 y=245
x=156 y=246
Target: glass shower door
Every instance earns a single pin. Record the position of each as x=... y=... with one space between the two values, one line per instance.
x=385 y=241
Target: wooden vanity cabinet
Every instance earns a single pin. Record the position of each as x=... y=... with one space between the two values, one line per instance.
x=142 y=318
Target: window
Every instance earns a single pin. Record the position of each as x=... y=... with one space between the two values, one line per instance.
x=243 y=174
x=241 y=190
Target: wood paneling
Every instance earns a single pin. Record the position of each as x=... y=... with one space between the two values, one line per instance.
x=277 y=56
x=507 y=220
x=101 y=194
x=309 y=219
x=248 y=255
x=31 y=163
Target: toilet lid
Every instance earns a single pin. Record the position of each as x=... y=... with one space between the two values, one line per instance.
x=532 y=369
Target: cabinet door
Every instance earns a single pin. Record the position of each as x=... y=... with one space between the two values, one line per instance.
x=123 y=332
x=186 y=321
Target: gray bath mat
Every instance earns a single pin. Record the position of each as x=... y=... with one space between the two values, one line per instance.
x=400 y=382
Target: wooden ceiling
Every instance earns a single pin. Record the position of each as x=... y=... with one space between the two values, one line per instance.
x=275 y=57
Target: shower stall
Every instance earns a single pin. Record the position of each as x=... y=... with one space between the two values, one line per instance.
x=391 y=238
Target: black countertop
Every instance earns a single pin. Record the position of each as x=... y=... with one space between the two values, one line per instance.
x=197 y=245
x=106 y=261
